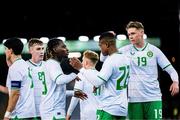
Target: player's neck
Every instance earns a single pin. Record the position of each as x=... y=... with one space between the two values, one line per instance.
x=140 y=44
x=34 y=61
x=90 y=67
x=112 y=50
x=15 y=58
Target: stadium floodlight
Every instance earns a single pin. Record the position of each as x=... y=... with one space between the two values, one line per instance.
x=83 y=38
x=44 y=39
x=74 y=54
x=23 y=40
x=96 y=38
x=144 y=36
x=62 y=38
x=4 y=41
x=121 y=37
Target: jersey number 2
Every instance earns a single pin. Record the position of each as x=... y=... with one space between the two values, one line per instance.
x=123 y=78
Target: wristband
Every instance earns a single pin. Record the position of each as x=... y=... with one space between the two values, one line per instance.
x=7 y=114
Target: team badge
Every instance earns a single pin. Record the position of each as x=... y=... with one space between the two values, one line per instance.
x=149 y=53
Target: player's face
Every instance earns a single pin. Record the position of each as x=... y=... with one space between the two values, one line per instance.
x=37 y=52
x=85 y=62
x=104 y=47
x=135 y=35
x=62 y=50
x=8 y=53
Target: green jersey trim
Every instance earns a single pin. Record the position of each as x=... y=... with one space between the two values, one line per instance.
x=142 y=48
x=101 y=78
x=34 y=63
x=166 y=66
x=57 y=77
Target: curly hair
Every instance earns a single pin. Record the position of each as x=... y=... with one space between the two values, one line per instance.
x=53 y=43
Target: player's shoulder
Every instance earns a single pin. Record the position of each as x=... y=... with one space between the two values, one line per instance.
x=51 y=61
x=125 y=48
x=153 y=47
x=16 y=64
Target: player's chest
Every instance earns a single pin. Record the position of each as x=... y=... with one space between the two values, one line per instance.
x=143 y=58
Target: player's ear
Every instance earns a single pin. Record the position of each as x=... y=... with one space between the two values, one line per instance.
x=107 y=44
x=55 y=49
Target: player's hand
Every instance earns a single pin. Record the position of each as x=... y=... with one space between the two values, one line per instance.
x=77 y=79
x=75 y=63
x=68 y=117
x=174 y=88
x=94 y=89
x=81 y=95
x=6 y=118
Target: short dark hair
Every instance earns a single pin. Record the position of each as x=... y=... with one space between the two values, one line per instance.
x=108 y=35
x=15 y=44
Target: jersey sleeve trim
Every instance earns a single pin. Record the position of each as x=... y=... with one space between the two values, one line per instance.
x=101 y=78
x=57 y=77
x=166 y=66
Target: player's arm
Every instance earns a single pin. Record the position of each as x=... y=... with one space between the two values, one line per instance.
x=73 y=104
x=102 y=57
x=3 y=89
x=174 y=88
x=57 y=74
x=69 y=93
x=166 y=66
x=64 y=79
x=13 y=98
x=101 y=77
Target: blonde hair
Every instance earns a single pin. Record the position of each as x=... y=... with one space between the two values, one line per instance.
x=34 y=41
x=93 y=56
x=135 y=24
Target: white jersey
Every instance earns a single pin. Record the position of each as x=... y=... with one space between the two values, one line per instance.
x=54 y=101
x=89 y=106
x=115 y=74
x=36 y=72
x=25 y=107
x=143 y=83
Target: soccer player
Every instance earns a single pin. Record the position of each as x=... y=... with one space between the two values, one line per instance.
x=21 y=98
x=89 y=105
x=114 y=75
x=144 y=93
x=37 y=68
x=53 y=102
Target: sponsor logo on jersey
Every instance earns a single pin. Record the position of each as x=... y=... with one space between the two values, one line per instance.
x=132 y=52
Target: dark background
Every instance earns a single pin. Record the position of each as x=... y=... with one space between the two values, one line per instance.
x=71 y=19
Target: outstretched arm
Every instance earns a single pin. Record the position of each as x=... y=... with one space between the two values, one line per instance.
x=64 y=79
x=69 y=93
